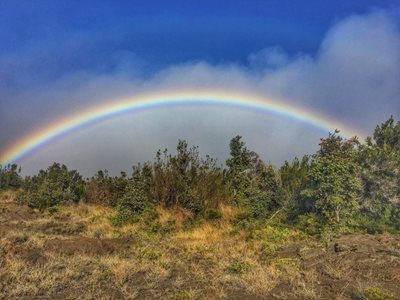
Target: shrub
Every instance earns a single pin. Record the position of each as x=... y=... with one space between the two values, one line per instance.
x=238 y=267
x=118 y=220
x=334 y=178
x=369 y=224
x=242 y=215
x=51 y=187
x=310 y=223
x=105 y=190
x=53 y=210
x=260 y=204
x=10 y=177
x=134 y=202
x=213 y=214
x=186 y=180
x=376 y=293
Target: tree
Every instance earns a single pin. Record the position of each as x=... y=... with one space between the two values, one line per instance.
x=293 y=177
x=135 y=200
x=186 y=180
x=251 y=181
x=380 y=161
x=55 y=185
x=264 y=194
x=334 y=178
x=239 y=164
x=387 y=135
x=104 y=189
x=10 y=177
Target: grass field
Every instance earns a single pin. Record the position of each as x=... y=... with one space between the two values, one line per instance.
x=75 y=252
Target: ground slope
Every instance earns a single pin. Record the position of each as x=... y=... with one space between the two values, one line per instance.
x=76 y=253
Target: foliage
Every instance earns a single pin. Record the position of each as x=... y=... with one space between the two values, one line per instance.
x=318 y=193
x=376 y=293
x=213 y=214
x=239 y=165
x=135 y=201
x=238 y=266
x=264 y=193
x=104 y=189
x=10 y=177
x=310 y=223
x=293 y=177
x=379 y=158
x=53 y=186
x=186 y=180
x=251 y=181
x=334 y=178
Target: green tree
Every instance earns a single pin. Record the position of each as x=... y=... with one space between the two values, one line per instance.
x=264 y=194
x=380 y=161
x=186 y=180
x=104 y=189
x=135 y=200
x=10 y=177
x=239 y=165
x=55 y=185
x=293 y=178
x=253 y=183
x=334 y=178
x=387 y=135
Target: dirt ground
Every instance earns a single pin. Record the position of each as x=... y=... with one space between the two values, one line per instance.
x=77 y=254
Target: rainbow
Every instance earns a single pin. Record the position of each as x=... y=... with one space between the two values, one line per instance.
x=146 y=101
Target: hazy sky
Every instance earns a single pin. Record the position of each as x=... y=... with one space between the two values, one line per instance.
x=338 y=58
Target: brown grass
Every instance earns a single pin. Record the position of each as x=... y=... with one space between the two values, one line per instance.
x=212 y=260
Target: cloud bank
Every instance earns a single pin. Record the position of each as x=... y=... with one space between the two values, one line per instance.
x=354 y=77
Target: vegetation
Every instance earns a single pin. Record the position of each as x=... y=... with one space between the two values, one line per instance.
x=51 y=187
x=346 y=185
x=185 y=227
x=10 y=177
x=333 y=179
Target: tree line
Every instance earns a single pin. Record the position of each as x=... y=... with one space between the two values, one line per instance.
x=345 y=184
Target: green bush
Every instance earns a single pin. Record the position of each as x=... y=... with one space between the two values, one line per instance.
x=334 y=180
x=53 y=210
x=51 y=187
x=376 y=293
x=10 y=177
x=243 y=215
x=119 y=220
x=272 y=238
x=260 y=204
x=367 y=224
x=238 y=267
x=310 y=223
x=134 y=202
x=104 y=189
x=213 y=214
x=186 y=180
x=372 y=224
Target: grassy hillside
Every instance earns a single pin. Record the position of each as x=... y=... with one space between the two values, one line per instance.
x=77 y=251
x=325 y=226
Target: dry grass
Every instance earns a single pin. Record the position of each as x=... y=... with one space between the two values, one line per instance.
x=8 y=196
x=213 y=260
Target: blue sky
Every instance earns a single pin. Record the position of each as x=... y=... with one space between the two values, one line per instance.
x=57 y=57
x=87 y=35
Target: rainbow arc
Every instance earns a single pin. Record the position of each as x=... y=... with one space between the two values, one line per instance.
x=147 y=101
